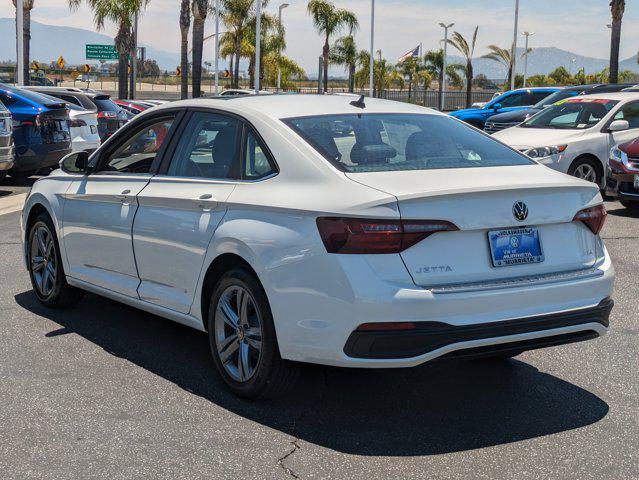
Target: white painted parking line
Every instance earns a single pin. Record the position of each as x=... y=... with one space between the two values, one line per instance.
x=12 y=203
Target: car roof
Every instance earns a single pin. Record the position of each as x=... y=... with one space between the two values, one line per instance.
x=618 y=96
x=285 y=106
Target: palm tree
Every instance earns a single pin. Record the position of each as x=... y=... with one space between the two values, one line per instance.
x=409 y=68
x=503 y=56
x=328 y=20
x=344 y=52
x=237 y=16
x=199 y=9
x=26 y=35
x=617 y=8
x=434 y=65
x=467 y=50
x=121 y=12
x=271 y=41
x=185 y=24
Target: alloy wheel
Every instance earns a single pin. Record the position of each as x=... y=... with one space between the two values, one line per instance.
x=586 y=172
x=43 y=260
x=238 y=333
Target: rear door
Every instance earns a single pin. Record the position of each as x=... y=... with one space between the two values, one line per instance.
x=100 y=208
x=182 y=206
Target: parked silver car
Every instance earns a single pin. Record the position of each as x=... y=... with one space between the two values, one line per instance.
x=6 y=141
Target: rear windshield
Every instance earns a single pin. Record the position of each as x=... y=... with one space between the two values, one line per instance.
x=106 y=105
x=394 y=142
x=29 y=95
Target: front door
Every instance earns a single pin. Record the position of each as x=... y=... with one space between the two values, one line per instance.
x=100 y=208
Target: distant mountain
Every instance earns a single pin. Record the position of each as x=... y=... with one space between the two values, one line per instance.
x=544 y=60
x=48 y=42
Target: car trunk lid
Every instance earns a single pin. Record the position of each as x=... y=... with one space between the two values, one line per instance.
x=482 y=200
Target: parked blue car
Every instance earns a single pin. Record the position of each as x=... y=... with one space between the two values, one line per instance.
x=41 y=132
x=506 y=102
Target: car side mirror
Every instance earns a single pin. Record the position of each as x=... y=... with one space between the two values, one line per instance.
x=497 y=106
x=76 y=162
x=619 y=126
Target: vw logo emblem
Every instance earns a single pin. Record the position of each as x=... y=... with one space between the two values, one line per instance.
x=520 y=211
x=514 y=242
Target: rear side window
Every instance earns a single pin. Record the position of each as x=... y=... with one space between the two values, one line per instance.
x=521 y=99
x=208 y=148
x=256 y=161
x=538 y=97
x=106 y=105
x=394 y=142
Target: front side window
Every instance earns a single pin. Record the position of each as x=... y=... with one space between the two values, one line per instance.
x=572 y=114
x=630 y=113
x=136 y=155
x=395 y=142
x=208 y=148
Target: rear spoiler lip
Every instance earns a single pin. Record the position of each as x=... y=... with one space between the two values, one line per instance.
x=101 y=97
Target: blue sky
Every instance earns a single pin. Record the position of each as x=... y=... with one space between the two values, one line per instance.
x=575 y=25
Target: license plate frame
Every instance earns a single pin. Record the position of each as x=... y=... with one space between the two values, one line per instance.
x=515 y=246
x=636 y=182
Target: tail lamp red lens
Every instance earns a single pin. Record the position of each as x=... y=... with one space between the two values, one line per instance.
x=368 y=236
x=107 y=115
x=593 y=217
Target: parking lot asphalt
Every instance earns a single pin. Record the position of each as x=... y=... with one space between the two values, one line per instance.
x=106 y=391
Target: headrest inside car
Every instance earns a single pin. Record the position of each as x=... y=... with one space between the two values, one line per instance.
x=377 y=153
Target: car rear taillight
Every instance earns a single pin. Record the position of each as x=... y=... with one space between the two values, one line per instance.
x=107 y=115
x=367 y=236
x=593 y=217
x=77 y=123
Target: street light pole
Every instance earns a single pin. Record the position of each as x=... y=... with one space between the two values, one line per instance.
x=442 y=99
x=527 y=35
x=20 y=42
x=217 y=47
x=258 y=34
x=279 y=52
x=514 y=51
x=371 y=76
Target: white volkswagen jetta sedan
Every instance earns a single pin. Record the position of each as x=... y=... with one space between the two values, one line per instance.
x=575 y=135
x=289 y=238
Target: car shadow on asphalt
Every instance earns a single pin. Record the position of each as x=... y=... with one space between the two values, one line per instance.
x=442 y=407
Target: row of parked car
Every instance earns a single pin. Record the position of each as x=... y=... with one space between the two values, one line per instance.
x=588 y=131
x=39 y=125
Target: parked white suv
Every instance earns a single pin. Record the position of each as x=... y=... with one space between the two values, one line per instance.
x=575 y=136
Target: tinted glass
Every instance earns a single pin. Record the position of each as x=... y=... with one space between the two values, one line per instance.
x=629 y=112
x=517 y=100
x=137 y=154
x=208 y=148
x=538 y=96
x=256 y=162
x=29 y=95
x=556 y=97
x=393 y=142
x=576 y=114
x=106 y=105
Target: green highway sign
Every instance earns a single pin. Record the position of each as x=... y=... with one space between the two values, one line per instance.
x=101 y=52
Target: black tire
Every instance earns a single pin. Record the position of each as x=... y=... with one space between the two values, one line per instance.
x=593 y=163
x=57 y=293
x=272 y=376
x=629 y=204
x=22 y=175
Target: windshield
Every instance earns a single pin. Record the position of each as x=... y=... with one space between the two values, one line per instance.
x=572 y=114
x=396 y=142
x=556 y=97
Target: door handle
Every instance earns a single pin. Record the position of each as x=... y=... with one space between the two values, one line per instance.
x=123 y=196
x=207 y=202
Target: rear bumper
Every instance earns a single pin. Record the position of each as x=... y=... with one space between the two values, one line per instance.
x=427 y=337
x=6 y=158
x=34 y=161
x=621 y=185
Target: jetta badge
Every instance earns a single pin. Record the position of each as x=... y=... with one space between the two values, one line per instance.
x=520 y=211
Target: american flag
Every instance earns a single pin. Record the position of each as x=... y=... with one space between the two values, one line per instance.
x=413 y=52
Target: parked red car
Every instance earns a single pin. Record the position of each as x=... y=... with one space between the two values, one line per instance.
x=131 y=106
x=622 y=179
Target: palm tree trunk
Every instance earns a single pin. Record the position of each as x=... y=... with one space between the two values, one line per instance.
x=185 y=24
x=351 y=78
x=325 y=52
x=122 y=76
x=251 y=72
x=410 y=87
x=26 y=42
x=238 y=55
x=198 y=45
x=469 y=84
x=231 y=60
x=441 y=89
x=614 y=51
x=131 y=78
